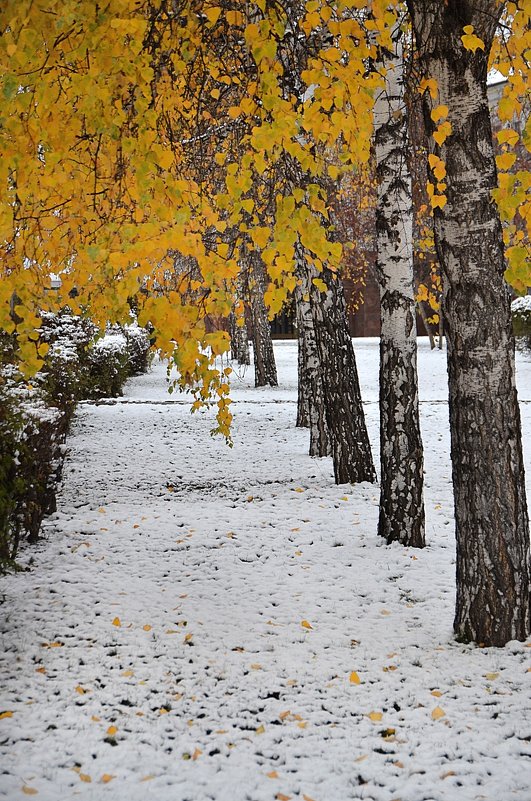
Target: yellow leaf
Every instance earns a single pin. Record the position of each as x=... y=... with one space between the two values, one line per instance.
x=197 y=753
x=272 y=774
x=438 y=713
x=128 y=673
x=492 y=676
x=354 y=678
x=298 y=489
x=212 y=14
x=107 y=777
x=6 y=715
x=111 y=731
x=256 y=666
x=436 y=693
x=148 y=777
x=117 y=622
x=307 y=797
x=80 y=690
x=260 y=729
x=505 y=161
x=439 y=113
x=306 y=625
x=438 y=201
x=375 y=716
x=443 y=132
x=507 y=136
x=430 y=85
x=85 y=778
x=29 y=790
x=282 y=797
x=470 y=40
x=147 y=627
x=361 y=758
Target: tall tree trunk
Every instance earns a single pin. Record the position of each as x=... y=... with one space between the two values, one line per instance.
x=239 y=340
x=492 y=529
x=265 y=370
x=351 y=450
x=311 y=409
x=401 y=457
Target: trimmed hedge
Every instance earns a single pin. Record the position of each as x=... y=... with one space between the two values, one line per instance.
x=34 y=418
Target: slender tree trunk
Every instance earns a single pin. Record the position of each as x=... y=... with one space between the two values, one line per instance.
x=265 y=370
x=312 y=401
x=401 y=456
x=349 y=440
x=239 y=340
x=492 y=529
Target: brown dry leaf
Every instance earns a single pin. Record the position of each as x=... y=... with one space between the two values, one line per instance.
x=29 y=790
x=354 y=678
x=272 y=774
x=307 y=797
x=117 y=622
x=375 y=716
x=361 y=758
x=148 y=777
x=389 y=668
x=197 y=753
x=448 y=773
x=398 y=764
x=111 y=731
x=147 y=627
x=306 y=625
x=85 y=778
x=107 y=777
x=256 y=666
x=40 y=670
x=385 y=612
x=52 y=644
x=282 y=797
x=284 y=715
x=438 y=713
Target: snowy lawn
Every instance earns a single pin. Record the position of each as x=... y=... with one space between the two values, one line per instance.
x=211 y=623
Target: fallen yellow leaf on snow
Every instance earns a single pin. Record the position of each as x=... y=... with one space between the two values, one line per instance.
x=116 y=621
x=29 y=790
x=375 y=716
x=284 y=715
x=197 y=753
x=148 y=777
x=491 y=676
x=40 y=670
x=85 y=778
x=354 y=678
x=438 y=713
x=80 y=690
x=106 y=778
x=111 y=731
x=307 y=797
x=272 y=774
x=128 y=673
x=147 y=627
x=306 y=625
x=436 y=693
x=282 y=797
x=299 y=489
x=260 y=729
x=361 y=758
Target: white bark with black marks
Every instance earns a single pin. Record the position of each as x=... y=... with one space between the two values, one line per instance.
x=401 y=455
x=492 y=528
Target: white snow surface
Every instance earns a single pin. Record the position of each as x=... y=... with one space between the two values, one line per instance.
x=210 y=558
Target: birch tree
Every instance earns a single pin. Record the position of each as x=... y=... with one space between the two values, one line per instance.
x=493 y=566
x=401 y=457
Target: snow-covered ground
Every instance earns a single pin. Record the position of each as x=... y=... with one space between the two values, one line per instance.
x=204 y=622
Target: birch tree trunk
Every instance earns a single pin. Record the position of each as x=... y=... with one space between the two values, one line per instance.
x=311 y=410
x=401 y=457
x=349 y=440
x=492 y=529
x=265 y=370
x=239 y=340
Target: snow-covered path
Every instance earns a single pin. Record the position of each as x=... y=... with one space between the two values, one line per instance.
x=212 y=623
